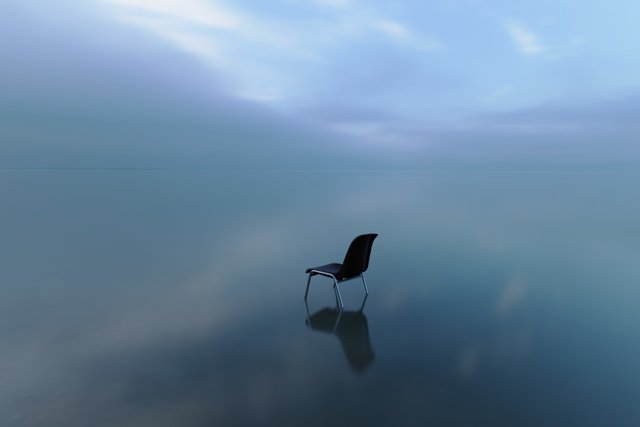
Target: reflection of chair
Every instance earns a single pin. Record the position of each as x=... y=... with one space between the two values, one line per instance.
x=355 y=263
x=352 y=330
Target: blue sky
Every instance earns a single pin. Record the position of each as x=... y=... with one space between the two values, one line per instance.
x=392 y=74
x=406 y=58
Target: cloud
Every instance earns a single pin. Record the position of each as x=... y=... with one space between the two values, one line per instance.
x=200 y=46
x=195 y=11
x=102 y=104
x=393 y=29
x=95 y=101
x=401 y=33
x=248 y=50
x=526 y=41
x=335 y=4
x=270 y=59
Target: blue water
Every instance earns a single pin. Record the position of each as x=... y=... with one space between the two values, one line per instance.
x=175 y=298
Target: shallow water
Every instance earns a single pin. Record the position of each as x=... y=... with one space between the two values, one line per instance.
x=164 y=298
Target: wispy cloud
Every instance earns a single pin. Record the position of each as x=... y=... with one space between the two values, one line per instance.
x=231 y=41
x=527 y=42
x=196 y=11
x=201 y=46
x=262 y=54
x=392 y=28
x=336 y=4
x=208 y=19
x=400 y=32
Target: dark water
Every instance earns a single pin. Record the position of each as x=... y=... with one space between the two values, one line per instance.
x=175 y=298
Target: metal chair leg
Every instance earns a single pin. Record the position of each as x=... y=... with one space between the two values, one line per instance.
x=307 y=291
x=365 y=285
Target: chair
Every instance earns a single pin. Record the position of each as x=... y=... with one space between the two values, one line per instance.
x=355 y=263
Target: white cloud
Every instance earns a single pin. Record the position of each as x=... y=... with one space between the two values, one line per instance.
x=401 y=33
x=227 y=40
x=526 y=41
x=336 y=4
x=392 y=28
x=200 y=46
x=194 y=11
x=262 y=56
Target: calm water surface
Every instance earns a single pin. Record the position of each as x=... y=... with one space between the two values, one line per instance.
x=175 y=298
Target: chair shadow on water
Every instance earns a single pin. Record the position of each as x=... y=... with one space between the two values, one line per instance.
x=352 y=330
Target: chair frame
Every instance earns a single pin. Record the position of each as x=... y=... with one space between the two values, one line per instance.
x=336 y=289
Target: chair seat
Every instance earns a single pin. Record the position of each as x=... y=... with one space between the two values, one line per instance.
x=332 y=268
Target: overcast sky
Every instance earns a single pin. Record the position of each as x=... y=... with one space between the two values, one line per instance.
x=392 y=73
x=408 y=58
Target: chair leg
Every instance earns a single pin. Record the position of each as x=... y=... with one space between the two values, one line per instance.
x=365 y=285
x=335 y=286
x=307 y=291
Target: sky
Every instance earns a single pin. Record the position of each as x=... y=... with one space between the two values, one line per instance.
x=403 y=79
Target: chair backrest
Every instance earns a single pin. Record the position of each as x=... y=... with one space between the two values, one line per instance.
x=356 y=261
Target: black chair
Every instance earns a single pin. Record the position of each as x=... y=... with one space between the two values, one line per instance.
x=355 y=263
